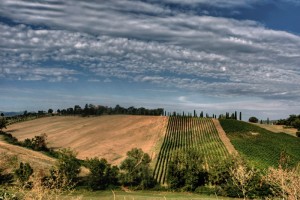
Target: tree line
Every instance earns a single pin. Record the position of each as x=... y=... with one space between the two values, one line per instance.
x=291 y=121
x=91 y=109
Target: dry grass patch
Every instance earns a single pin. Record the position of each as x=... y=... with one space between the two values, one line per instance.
x=37 y=160
x=278 y=129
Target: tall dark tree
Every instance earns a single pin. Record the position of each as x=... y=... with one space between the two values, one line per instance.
x=50 y=111
x=235 y=115
x=240 y=116
x=201 y=114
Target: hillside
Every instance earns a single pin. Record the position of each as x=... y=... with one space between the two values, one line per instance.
x=260 y=146
x=36 y=159
x=107 y=137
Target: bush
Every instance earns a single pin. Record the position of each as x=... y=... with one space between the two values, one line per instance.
x=298 y=133
x=24 y=172
x=253 y=119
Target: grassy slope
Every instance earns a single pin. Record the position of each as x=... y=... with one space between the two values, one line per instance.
x=260 y=146
x=143 y=195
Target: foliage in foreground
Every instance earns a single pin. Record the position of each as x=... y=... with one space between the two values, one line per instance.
x=187 y=171
x=285 y=182
x=102 y=175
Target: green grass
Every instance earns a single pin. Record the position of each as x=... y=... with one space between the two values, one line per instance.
x=261 y=147
x=143 y=195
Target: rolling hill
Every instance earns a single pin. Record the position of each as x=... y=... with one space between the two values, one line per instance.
x=107 y=137
x=260 y=146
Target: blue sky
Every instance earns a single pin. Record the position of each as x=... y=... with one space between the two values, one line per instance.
x=211 y=55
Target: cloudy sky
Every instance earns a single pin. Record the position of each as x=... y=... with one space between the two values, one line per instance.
x=211 y=55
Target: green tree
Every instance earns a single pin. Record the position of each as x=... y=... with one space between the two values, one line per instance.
x=68 y=165
x=296 y=124
x=186 y=170
x=3 y=123
x=102 y=174
x=253 y=119
x=24 y=172
x=50 y=111
x=136 y=170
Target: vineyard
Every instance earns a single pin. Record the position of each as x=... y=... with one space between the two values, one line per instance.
x=262 y=148
x=185 y=133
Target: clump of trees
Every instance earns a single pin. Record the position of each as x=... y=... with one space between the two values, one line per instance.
x=292 y=120
x=102 y=175
x=186 y=170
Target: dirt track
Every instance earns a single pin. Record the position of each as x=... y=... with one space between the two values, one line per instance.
x=224 y=138
x=107 y=137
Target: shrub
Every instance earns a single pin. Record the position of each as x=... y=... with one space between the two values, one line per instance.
x=298 y=133
x=24 y=172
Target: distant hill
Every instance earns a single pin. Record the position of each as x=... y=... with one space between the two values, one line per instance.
x=11 y=114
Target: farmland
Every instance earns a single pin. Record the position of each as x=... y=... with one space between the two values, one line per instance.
x=107 y=137
x=185 y=133
x=260 y=146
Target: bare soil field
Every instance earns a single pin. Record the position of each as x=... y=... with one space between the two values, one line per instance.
x=278 y=129
x=107 y=137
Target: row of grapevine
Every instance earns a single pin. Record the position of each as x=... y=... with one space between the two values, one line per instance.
x=184 y=133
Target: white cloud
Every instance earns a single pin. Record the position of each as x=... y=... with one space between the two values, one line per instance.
x=145 y=42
